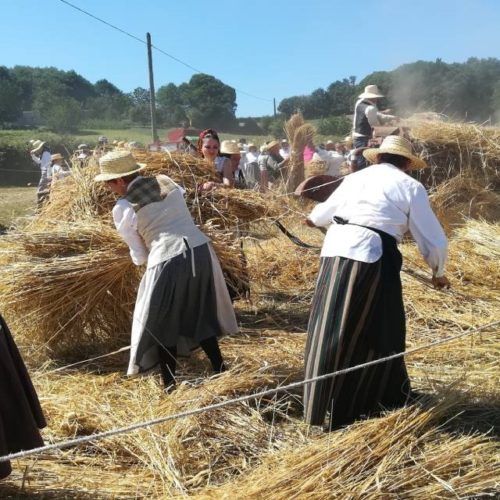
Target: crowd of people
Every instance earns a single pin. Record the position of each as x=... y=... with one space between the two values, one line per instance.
x=357 y=313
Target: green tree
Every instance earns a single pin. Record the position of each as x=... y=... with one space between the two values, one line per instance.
x=171 y=105
x=62 y=114
x=10 y=97
x=209 y=102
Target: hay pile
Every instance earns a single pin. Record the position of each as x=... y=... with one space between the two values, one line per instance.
x=457 y=148
x=443 y=447
x=463 y=197
x=71 y=283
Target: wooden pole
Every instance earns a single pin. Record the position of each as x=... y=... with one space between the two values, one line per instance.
x=274 y=106
x=152 y=101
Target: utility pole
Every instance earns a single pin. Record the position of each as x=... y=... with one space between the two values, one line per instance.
x=274 y=106
x=152 y=102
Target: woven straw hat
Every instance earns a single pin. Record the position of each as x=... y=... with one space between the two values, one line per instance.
x=229 y=148
x=37 y=146
x=271 y=145
x=396 y=145
x=371 y=92
x=57 y=156
x=116 y=164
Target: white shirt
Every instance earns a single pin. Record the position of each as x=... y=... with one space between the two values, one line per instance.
x=374 y=116
x=125 y=220
x=285 y=153
x=332 y=159
x=385 y=198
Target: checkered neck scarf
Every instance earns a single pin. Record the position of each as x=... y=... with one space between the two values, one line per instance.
x=146 y=190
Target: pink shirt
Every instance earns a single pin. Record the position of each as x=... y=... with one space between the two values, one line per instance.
x=308 y=154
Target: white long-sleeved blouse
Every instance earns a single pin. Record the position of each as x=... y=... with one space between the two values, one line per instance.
x=385 y=198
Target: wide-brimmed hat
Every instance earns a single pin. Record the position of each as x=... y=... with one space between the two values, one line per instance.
x=116 y=164
x=371 y=92
x=229 y=148
x=83 y=146
x=37 y=146
x=271 y=145
x=57 y=156
x=396 y=145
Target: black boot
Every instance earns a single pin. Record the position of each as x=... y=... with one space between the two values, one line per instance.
x=212 y=350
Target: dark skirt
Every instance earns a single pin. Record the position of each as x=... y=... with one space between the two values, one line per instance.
x=357 y=316
x=20 y=412
x=180 y=308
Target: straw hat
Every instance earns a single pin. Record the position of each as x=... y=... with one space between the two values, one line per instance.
x=371 y=92
x=272 y=144
x=37 y=146
x=229 y=148
x=116 y=164
x=396 y=145
x=57 y=156
x=83 y=146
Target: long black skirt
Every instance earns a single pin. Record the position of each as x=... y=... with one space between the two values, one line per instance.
x=177 y=306
x=20 y=412
x=357 y=316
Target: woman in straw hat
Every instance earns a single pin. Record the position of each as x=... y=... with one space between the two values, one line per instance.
x=182 y=301
x=357 y=312
x=20 y=413
x=40 y=154
x=367 y=116
x=230 y=152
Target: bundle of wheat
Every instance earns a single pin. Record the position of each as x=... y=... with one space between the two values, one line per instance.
x=457 y=148
x=80 y=197
x=315 y=167
x=72 y=288
x=464 y=197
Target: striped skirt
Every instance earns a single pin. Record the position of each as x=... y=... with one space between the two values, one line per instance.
x=357 y=316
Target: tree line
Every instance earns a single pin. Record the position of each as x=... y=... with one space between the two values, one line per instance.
x=463 y=91
x=65 y=101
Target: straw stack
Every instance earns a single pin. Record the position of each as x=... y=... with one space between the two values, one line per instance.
x=72 y=284
x=457 y=148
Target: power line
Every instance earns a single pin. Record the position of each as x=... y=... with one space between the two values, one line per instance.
x=138 y=39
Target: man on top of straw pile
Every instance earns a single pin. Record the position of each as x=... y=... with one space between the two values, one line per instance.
x=367 y=116
x=357 y=313
x=182 y=301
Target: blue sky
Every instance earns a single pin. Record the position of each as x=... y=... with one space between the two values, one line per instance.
x=272 y=48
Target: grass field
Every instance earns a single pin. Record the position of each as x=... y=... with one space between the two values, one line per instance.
x=16 y=202
x=139 y=134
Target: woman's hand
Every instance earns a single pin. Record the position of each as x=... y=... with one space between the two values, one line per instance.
x=208 y=186
x=441 y=282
